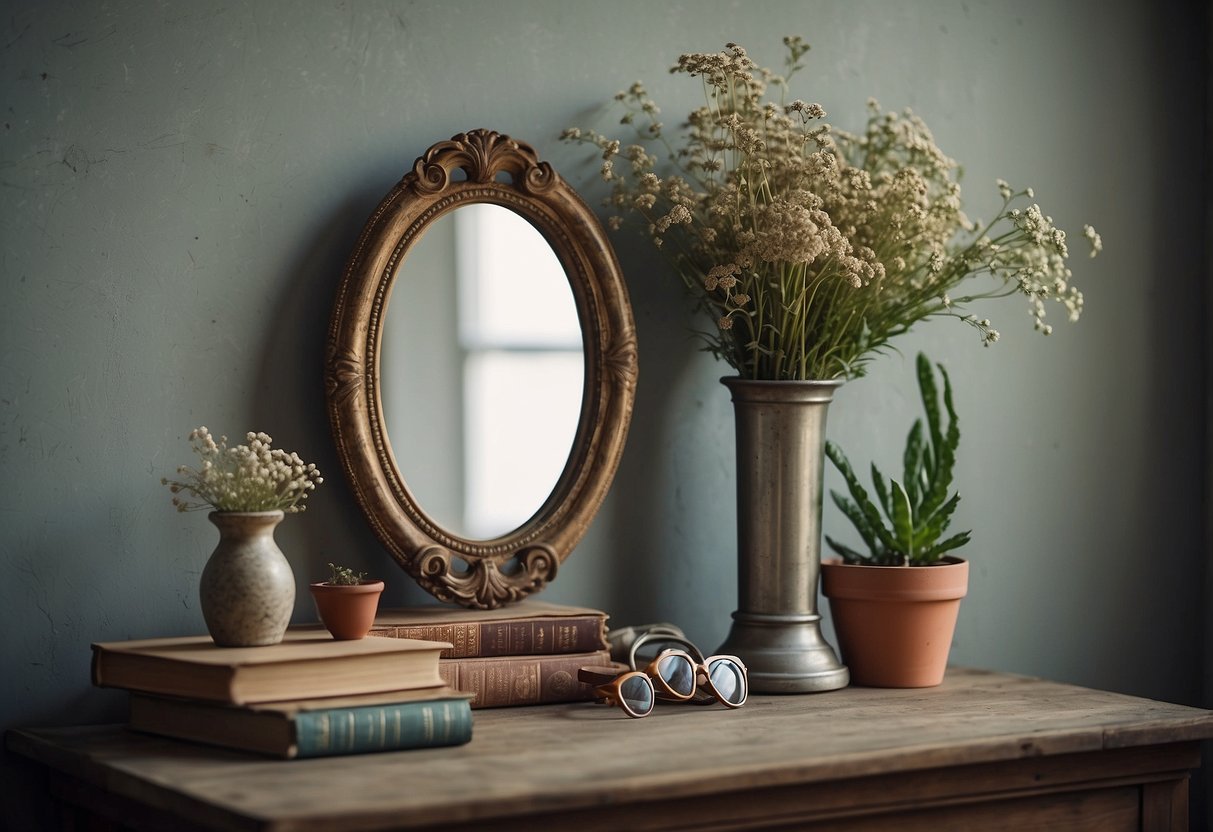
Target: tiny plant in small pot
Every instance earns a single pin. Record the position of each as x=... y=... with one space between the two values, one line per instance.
x=347 y=602
x=895 y=605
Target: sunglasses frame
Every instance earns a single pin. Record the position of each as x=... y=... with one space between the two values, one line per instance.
x=701 y=665
x=663 y=688
x=608 y=684
x=706 y=669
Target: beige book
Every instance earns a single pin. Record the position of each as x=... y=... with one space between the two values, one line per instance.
x=307 y=664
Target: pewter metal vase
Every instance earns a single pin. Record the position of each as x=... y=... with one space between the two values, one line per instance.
x=247 y=588
x=780 y=451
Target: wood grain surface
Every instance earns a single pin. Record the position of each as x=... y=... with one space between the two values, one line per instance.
x=981 y=737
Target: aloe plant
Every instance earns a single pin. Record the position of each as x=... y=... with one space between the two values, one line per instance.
x=905 y=523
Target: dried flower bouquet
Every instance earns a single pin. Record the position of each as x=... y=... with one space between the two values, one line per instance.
x=252 y=477
x=811 y=247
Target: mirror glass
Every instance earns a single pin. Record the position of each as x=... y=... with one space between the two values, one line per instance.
x=481 y=370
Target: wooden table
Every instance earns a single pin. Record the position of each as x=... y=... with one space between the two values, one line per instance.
x=985 y=751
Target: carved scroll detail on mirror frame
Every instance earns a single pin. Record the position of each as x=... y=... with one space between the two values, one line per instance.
x=480 y=573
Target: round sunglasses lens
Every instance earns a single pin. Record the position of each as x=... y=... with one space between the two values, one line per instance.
x=678 y=674
x=637 y=695
x=728 y=680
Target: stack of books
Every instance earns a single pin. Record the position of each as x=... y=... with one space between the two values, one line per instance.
x=524 y=654
x=309 y=696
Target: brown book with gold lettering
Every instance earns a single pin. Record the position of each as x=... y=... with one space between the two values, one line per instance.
x=522 y=680
x=528 y=628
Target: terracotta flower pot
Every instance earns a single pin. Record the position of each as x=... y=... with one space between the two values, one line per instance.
x=347 y=611
x=895 y=623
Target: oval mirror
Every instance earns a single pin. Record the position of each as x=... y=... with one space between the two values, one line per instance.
x=481 y=340
x=482 y=328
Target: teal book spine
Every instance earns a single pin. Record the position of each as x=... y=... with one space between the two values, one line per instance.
x=362 y=730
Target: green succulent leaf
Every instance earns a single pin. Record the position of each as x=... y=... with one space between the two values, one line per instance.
x=882 y=491
x=903 y=521
x=952 y=440
x=930 y=399
x=869 y=511
x=932 y=528
x=946 y=443
x=928 y=467
x=939 y=549
x=912 y=476
x=847 y=554
x=858 y=520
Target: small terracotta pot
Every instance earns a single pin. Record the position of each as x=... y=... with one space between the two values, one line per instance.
x=895 y=623
x=347 y=611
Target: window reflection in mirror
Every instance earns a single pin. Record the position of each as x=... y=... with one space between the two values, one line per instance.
x=481 y=371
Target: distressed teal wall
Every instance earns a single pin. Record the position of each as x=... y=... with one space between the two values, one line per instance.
x=183 y=180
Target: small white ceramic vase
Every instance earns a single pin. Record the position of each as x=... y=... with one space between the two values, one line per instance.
x=247 y=588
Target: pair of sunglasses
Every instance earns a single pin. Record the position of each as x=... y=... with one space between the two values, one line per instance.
x=680 y=672
x=674 y=670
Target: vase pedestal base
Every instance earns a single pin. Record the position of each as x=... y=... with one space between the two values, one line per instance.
x=785 y=653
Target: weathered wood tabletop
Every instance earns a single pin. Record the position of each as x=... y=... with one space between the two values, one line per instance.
x=586 y=761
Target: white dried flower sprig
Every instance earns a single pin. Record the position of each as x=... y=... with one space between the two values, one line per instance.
x=810 y=247
x=252 y=477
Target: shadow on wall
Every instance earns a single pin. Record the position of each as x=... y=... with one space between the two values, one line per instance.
x=666 y=569
x=290 y=401
x=637 y=501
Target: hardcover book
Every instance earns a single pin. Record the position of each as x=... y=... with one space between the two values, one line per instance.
x=308 y=663
x=522 y=680
x=526 y=628
x=391 y=721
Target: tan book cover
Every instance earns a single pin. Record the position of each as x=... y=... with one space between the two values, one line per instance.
x=526 y=628
x=308 y=663
x=522 y=680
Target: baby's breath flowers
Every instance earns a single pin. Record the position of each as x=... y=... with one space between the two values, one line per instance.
x=810 y=247
x=252 y=477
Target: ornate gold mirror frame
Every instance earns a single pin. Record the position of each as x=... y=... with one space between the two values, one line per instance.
x=495 y=169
